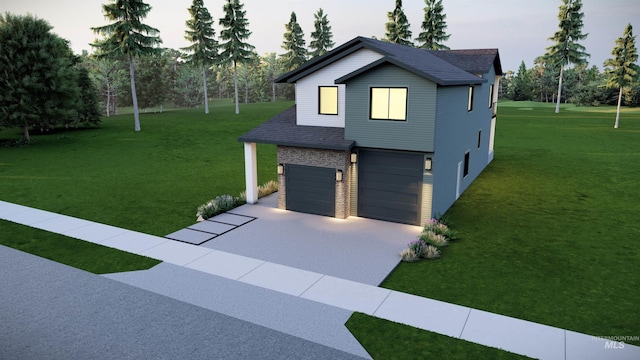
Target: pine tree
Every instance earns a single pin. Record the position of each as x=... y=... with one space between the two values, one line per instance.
x=522 y=84
x=204 y=47
x=235 y=31
x=566 y=50
x=622 y=68
x=434 y=26
x=321 y=38
x=294 y=43
x=398 y=26
x=37 y=73
x=128 y=36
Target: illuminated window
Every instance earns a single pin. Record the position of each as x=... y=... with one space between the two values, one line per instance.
x=470 y=103
x=328 y=100
x=388 y=104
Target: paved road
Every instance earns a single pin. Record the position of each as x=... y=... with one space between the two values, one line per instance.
x=52 y=311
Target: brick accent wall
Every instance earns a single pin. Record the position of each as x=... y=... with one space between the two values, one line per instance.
x=335 y=159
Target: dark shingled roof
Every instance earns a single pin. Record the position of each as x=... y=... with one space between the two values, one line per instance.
x=448 y=68
x=282 y=130
x=476 y=61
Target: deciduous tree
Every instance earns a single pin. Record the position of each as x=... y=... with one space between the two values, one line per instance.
x=234 y=34
x=37 y=73
x=566 y=49
x=128 y=36
x=622 y=69
x=434 y=27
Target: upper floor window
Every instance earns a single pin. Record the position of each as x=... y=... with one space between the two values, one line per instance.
x=328 y=100
x=470 y=102
x=388 y=104
x=491 y=96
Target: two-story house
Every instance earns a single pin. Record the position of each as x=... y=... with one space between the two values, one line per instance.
x=382 y=130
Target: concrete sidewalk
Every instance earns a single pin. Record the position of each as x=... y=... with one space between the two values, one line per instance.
x=514 y=335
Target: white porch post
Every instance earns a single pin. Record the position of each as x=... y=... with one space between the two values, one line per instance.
x=251 y=172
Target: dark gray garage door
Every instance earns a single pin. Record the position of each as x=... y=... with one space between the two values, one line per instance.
x=389 y=185
x=311 y=189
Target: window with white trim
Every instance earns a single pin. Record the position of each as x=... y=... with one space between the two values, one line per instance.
x=490 y=96
x=328 y=100
x=470 y=101
x=388 y=104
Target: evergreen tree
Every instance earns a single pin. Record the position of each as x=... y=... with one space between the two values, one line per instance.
x=234 y=33
x=87 y=106
x=398 y=26
x=566 y=50
x=433 y=26
x=521 y=90
x=204 y=47
x=321 y=37
x=128 y=36
x=294 y=43
x=37 y=73
x=622 y=68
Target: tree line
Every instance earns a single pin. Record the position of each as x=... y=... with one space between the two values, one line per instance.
x=130 y=68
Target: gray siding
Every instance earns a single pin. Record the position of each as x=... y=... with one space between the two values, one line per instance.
x=457 y=133
x=414 y=134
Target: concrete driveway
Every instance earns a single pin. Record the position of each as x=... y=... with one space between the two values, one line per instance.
x=358 y=249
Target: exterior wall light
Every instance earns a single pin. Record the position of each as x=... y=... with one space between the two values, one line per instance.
x=339 y=175
x=280 y=169
x=354 y=158
x=427 y=164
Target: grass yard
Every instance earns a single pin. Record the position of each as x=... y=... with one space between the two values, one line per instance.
x=550 y=230
x=384 y=339
x=151 y=181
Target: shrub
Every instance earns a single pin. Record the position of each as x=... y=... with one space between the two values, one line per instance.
x=431 y=252
x=409 y=255
x=265 y=189
x=438 y=227
x=217 y=206
x=434 y=239
x=418 y=247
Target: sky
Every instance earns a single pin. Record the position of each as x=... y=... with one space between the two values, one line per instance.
x=518 y=28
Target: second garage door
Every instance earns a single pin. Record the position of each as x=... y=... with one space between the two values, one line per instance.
x=389 y=185
x=311 y=189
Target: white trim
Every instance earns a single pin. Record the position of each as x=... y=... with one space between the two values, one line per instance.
x=459 y=180
x=251 y=172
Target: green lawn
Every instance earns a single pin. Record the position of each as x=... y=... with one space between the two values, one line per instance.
x=151 y=181
x=550 y=229
x=384 y=339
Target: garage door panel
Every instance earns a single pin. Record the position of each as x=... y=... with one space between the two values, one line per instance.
x=382 y=179
x=371 y=196
x=389 y=185
x=310 y=189
x=383 y=213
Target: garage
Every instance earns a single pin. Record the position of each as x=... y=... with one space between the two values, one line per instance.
x=311 y=189
x=389 y=185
